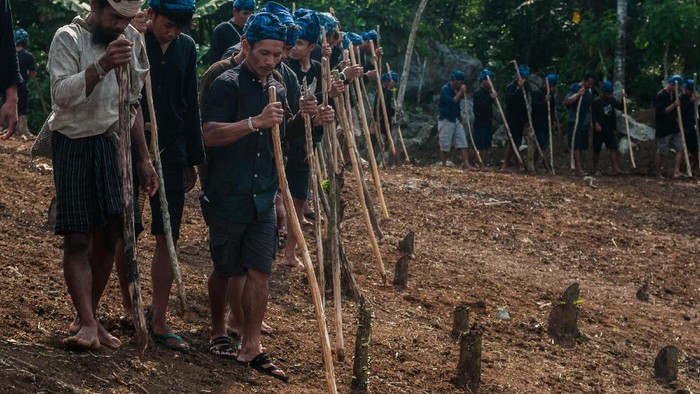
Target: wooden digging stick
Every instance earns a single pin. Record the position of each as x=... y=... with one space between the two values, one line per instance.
x=528 y=109
x=368 y=140
x=549 y=127
x=695 y=112
x=627 y=128
x=165 y=213
x=316 y=201
x=308 y=265
x=573 y=133
x=360 y=194
x=325 y=87
x=680 y=125
x=129 y=236
x=380 y=93
x=505 y=123
x=469 y=131
x=396 y=121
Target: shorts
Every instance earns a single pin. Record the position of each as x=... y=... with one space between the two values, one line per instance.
x=664 y=143
x=483 y=136
x=604 y=137
x=174 y=180
x=542 y=135
x=451 y=134
x=581 y=142
x=297 y=170
x=88 y=185
x=238 y=247
x=516 y=127
x=691 y=141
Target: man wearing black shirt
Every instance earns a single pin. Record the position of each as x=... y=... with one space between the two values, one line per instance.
x=581 y=119
x=542 y=109
x=228 y=34
x=10 y=78
x=688 y=104
x=516 y=114
x=27 y=68
x=667 y=128
x=605 y=128
x=483 y=98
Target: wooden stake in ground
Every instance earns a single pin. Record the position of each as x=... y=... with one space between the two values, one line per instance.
x=368 y=140
x=469 y=365
x=165 y=213
x=396 y=121
x=380 y=95
x=469 y=131
x=460 y=323
x=340 y=104
x=549 y=127
x=308 y=265
x=531 y=133
x=505 y=123
x=685 y=146
x=573 y=133
x=697 y=119
x=129 y=235
x=666 y=364
x=627 y=128
x=562 y=325
x=360 y=367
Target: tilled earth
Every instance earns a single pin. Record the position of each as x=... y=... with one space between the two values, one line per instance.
x=489 y=239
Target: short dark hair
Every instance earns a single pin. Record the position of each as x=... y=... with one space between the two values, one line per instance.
x=181 y=18
x=591 y=75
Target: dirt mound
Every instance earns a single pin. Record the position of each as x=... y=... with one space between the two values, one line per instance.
x=489 y=239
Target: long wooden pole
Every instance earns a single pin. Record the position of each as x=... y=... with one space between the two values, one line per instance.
x=308 y=265
x=469 y=130
x=380 y=95
x=531 y=132
x=573 y=133
x=549 y=126
x=697 y=120
x=315 y=199
x=376 y=129
x=396 y=121
x=505 y=123
x=129 y=236
x=356 y=170
x=165 y=213
x=627 y=128
x=368 y=140
x=680 y=125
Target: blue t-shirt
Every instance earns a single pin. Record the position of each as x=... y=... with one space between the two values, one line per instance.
x=449 y=110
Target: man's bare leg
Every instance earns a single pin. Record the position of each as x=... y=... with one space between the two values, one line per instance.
x=677 y=164
x=658 y=161
x=507 y=157
x=218 y=289
x=596 y=164
x=78 y=276
x=290 y=259
x=443 y=158
x=234 y=317
x=577 y=163
x=101 y=262
x=162 y=282
x=616 y=163
x=464 y=154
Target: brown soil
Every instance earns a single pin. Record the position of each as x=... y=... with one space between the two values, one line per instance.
x=490 y=239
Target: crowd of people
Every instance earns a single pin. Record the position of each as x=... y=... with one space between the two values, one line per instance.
x=217 y=130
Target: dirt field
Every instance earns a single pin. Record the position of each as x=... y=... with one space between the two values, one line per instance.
x=490 y=239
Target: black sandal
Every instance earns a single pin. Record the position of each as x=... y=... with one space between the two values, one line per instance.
x=222 y=347
x=264 y=359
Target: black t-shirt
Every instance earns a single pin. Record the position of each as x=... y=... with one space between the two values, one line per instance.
x=225 y=35
x=666 y=123
x=688 y=114
x=483 y=107
x=27 y=63
x=604 y=112
x=515 y=102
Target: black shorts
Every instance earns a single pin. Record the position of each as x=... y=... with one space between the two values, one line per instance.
x=516 y=130
x=691 y=141
x=606 y=137
x=238 y=247
x=88 y=185
x=173 y=178
x=581 y=142
x=297 y=170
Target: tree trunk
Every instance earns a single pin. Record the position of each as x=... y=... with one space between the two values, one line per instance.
x=469 y=365
x=360 y=368
x=409 y=53
x=619 y=67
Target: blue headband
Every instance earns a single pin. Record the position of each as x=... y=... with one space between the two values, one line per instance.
x=183 y=5
x=457 y=75
x=302 y=11
x=349 y=37
x=247 y=5
x=675 y=78
x=328 y=21
x=21 y=36
x=281 y=12
x=394 y=76
x=553 y=79
x=310 y=28
x=486 y=72
x=690 y=84
x=524 y=70
x=264 y=26
x=608 y=87
x=370 y=35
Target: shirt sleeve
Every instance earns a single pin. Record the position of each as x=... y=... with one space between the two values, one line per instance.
x=216 y=49
x=9 y=67
x=67 y=80
x=193 y=126
x=222 y=102
x=445 y=101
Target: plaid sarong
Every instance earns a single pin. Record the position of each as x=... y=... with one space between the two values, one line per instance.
x=88 y=185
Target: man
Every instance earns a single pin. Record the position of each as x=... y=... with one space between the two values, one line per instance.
x=85 y=95
x=332 y=50
x=228 y=34
x=580 y=91
x=450 y=130
x=667 y=128
x=10 y=78
x=605 y=128
x=238 y=204
x=688 y=104
x=516 y=114
x=173 y=58
x=27 y=68
x=483 y=98
x=542 y=108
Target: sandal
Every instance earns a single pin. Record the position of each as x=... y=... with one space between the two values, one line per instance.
x=222 y=347
x=272 y=370
x=162 y=339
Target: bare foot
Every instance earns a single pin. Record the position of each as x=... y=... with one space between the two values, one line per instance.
x=107 y=339
x=86 y=338
x=266 y=329
x=74 y=327
x=292 y=262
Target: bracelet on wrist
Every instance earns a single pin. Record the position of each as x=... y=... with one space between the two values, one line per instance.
x=250 y=125
x=101 y=73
